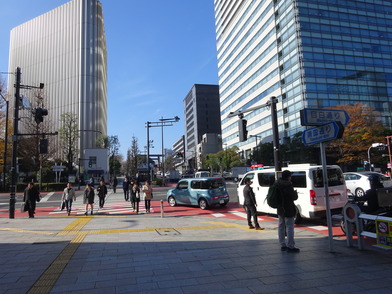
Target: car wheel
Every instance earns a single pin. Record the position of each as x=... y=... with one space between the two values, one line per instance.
x=359 y=192
x=172 y=201
x=203 y=204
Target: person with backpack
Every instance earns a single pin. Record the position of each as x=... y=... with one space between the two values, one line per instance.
x=250 y=205
x=286 y=195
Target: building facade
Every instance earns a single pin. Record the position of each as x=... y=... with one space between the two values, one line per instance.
x=65 y=49
x=201 y=112
x=309 y=53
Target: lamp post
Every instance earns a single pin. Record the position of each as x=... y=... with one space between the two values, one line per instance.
x=163 y=122
x=5 y=139
x=374 y=145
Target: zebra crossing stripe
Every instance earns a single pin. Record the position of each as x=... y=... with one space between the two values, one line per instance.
x=218 y=214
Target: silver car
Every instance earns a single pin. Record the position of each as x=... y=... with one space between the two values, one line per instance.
x=358 y=182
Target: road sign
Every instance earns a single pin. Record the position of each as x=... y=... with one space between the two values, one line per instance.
x=58 y=168
x=326 y=132
x=320 y=116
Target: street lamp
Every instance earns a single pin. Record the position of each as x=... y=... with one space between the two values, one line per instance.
x=256 y=136
x=374 y=145
x=5 y=139
x=163 y=122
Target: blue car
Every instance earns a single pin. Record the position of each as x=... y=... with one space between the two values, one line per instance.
x=202 y=192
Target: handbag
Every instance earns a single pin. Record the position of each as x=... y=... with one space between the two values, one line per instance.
x=23 y=207
x=62 y=205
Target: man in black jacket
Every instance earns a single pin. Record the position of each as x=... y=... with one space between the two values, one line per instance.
x=286 y=212
x=31 y=197
x=250 y=205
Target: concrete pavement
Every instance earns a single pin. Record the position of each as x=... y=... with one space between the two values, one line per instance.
x=146 y=253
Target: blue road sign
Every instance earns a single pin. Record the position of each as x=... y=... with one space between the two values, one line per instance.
x=326 y=132
x=320 y=116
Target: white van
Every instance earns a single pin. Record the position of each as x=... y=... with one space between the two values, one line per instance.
x=308 y=181
x=202 y=174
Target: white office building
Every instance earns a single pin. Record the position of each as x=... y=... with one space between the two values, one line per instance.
x=65 y=49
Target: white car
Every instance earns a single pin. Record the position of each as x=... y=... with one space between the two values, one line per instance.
x=358 y=182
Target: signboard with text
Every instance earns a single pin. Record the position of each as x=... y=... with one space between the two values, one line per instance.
x=326 y=132
x=384 y=233
x=320 y=116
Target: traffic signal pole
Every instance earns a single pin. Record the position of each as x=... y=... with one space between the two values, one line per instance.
x=14 y=174
x=15 y=145
x=275 y=131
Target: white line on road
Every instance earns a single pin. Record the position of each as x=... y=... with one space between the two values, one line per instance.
x=46 y=197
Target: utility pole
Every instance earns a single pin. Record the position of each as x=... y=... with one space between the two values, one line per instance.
x=15 y=135
x=15 y=145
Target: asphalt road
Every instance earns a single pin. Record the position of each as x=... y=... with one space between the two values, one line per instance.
x=52 y=199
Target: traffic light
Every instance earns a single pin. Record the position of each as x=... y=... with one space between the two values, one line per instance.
x=90 y=164
x=43 y=146
x=180 y=155
x=243 y=132
x=39 y=114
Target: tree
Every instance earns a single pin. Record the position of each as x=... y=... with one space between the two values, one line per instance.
x=133 y=156
x=69 y=135
x=364 y=128
x=223 y=160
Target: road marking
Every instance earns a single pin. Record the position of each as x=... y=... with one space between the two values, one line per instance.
x=242 y=214
x=218 y=214
x=46 y=197
x=25 y=231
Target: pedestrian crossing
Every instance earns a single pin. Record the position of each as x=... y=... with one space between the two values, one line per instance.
x=109 y=208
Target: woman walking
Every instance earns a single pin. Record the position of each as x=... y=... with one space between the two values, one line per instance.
x=135 y=197
x=102 y=192
x=147 y=190
x=68 y=197
x=88 y=198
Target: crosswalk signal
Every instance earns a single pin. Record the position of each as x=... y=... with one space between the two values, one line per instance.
x=90 y=164
x=242 y=131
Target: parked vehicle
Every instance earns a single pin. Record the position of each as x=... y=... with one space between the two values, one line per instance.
x=202 y=192
x=308 y=181
x=202 y=174
x=358 y=182
x=237 y=172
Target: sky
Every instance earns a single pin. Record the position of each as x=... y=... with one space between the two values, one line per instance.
x=157 y=50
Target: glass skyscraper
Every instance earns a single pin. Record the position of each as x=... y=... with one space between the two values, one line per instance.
x=306 y=53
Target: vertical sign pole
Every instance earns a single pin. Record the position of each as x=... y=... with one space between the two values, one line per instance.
x=327 y=205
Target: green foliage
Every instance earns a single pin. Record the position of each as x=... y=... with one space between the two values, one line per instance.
x=69 y=135
x=223 y=160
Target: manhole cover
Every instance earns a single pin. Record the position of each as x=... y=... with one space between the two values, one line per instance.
x=167 y=232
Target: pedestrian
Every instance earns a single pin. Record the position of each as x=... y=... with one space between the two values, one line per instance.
x=126 y=188
x=286 y=212
x=114 y=184
x=135 y=197
x=88 y=199
x=250 y=205
x=31 y=197
x=91 y=182
x=147 y=190
x=102 y=192
x=68 y=197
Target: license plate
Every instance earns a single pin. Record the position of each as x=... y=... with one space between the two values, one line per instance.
x=221 y=201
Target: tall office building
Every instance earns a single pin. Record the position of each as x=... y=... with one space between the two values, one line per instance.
x=313 y=53
x=201 y=112
x=65 y=49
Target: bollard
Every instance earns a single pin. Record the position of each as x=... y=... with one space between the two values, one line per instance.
x=161 y=208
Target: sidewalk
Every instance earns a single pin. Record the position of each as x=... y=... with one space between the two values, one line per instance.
x=148 y=254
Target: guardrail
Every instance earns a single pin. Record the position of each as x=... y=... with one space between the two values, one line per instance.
x=354 y=216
